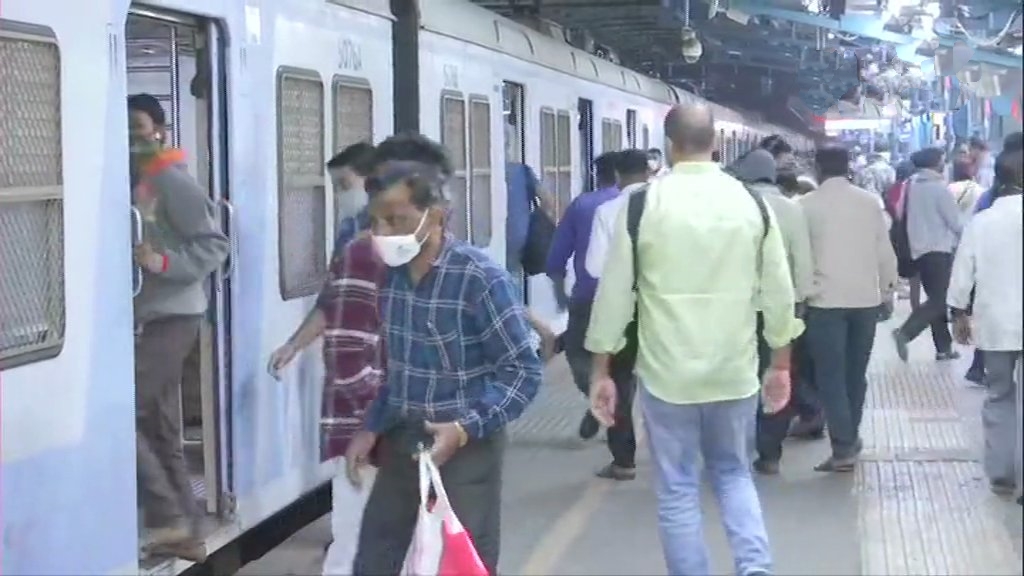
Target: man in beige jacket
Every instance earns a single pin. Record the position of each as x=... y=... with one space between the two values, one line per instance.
x=854 y=274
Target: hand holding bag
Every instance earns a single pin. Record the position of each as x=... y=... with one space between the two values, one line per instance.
x=440 y=545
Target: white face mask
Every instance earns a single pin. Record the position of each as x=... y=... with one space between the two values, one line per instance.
x=399 y=250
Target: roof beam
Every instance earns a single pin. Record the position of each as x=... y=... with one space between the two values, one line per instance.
x=864 y=25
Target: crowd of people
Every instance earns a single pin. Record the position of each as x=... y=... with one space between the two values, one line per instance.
x=730 y=307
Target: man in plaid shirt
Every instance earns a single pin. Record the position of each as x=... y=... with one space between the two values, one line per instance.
x=460 y=367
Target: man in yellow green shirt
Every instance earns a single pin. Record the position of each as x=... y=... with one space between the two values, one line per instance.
x=706 y=265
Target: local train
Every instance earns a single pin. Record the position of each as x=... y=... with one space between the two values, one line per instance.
x=259 y=94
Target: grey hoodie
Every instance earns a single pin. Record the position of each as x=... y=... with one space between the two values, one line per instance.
x=933 y=218
x=179 y=221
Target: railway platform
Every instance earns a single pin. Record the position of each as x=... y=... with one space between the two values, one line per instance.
x=918 y=503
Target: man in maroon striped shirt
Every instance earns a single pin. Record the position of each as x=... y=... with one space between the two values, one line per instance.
x=346 y=316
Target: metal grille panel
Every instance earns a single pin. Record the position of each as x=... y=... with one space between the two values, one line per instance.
x=32 y=314
x=480 y=164
x=353 y=115
x=30 y=143
x=453 y=136
x=302 y=209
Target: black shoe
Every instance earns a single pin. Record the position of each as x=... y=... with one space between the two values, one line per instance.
x=589 y=426
x=766 y=467
x=901 y=344
x=837 y=465
x=975 y=377
x=951 y=355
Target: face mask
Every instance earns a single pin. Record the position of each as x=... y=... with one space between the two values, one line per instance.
x=654 y=165
x=399 y=250
x=351 y=201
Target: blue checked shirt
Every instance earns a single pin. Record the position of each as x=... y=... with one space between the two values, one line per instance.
x=458 y=346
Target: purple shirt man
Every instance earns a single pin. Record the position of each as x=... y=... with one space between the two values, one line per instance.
x=572 y=238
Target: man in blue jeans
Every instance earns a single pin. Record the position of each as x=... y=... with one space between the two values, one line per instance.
x=855 y=273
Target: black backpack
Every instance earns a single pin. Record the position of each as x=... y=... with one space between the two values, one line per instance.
x=899 y=236
x=541 y=233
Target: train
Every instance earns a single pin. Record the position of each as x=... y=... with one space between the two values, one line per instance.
x=259 y=95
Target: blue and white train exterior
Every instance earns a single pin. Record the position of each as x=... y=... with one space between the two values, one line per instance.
x=68 y=492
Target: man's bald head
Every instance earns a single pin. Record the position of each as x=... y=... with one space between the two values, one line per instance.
x=691 y=129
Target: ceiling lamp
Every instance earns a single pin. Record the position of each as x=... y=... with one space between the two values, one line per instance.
x=691 y=47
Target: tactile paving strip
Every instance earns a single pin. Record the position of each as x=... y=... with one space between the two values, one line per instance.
x=911 y=414
x=924 y=503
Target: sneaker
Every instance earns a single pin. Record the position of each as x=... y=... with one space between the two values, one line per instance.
x=589 y=426
x=950 y=355
x=1003 y=487
x=766 y=467
x=613 y=472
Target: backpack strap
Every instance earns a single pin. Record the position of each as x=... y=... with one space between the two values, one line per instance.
x=634 y=211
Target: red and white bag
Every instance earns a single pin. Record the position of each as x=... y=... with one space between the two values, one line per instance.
x=440 y=545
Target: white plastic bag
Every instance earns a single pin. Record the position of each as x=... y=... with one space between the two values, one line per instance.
x=440 y=544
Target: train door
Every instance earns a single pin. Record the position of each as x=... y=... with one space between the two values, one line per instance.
x=586 y=128
x=178 y=59
x=513 y=103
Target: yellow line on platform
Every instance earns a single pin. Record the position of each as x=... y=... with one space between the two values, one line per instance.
x=563 y=533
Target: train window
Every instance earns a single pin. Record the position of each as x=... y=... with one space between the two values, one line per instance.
x=646 y=137
x=453 y=137
x=631 y=128
x=302 y=226
x=611 y=135
x=32 y=305
x=480 y=170
x=549 y=155
x=563 y=158
x=353 y=119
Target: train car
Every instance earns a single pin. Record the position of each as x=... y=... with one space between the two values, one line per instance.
x=259 y=95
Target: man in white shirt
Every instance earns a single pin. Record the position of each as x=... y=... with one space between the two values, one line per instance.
x=989 y=260
x=632 y=172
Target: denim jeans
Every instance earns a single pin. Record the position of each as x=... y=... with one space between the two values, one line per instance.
x=679 y=436
x=999 y=416
x=840 y=342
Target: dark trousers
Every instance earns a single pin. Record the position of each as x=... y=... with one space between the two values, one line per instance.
x=472 y=479
x=621 y=437
x=840 y=342
x=934 y=269
x=772 y=429
x=165 y=490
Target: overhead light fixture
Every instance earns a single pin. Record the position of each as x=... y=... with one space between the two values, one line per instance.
x=691 y=47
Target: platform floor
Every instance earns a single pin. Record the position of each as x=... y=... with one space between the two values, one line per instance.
x=917 y=505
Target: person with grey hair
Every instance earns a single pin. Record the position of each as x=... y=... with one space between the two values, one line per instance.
x=695 y=316
x=460 y=366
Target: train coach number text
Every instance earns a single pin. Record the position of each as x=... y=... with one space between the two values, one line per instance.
x=350 y=56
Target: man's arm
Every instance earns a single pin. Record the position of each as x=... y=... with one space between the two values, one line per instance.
x=544 y=198
x=962 y=278
x=190 y=211
x=517 y=371
x=775 y=296
x=614 y=301
x=950 y=212
x=803 y=262
x=600 y=237
x=888 y=274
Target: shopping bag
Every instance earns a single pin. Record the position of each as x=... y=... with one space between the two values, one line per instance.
x=440 y=545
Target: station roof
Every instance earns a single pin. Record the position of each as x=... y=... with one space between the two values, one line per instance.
x=757 y=54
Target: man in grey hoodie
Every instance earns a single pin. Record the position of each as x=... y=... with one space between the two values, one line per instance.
x=933 y=223
x=182 y=245
x=758 y=171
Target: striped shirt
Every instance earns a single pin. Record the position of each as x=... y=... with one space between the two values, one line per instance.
x=352 y=348
x=458 y=346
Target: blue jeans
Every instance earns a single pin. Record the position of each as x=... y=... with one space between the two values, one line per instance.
x=679 y=435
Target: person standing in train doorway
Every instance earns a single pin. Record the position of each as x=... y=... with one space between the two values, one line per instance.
x=572 y=237
x=460 y=366
x=346 y=316
x=182 y=245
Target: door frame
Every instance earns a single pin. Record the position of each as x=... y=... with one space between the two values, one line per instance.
x=215 y=380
